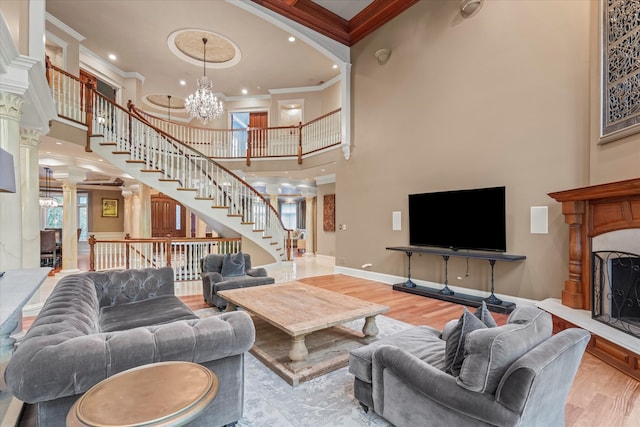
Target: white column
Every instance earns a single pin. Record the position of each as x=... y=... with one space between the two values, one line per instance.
x=273 y=190
x=11 y=203
x=309 y=224
x=70 y=177
x=30 y=185
x=145 y=211
x=128 y=212
x=201 y=227
x=135 y=212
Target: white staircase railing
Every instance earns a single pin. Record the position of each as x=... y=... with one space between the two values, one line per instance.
x=154 y=151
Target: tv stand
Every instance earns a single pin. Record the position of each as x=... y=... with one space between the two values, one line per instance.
x=446 y=294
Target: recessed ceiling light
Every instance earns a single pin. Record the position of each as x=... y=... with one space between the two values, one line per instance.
x=48 y=152
x=244 y=91
x=112 y=57
x=100 y=160
x=335 y=66
x=292 y=39
x=182 y=82
x=58 y=143
x=286 y=171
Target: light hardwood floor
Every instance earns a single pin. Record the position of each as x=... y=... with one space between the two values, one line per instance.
x=601 y=395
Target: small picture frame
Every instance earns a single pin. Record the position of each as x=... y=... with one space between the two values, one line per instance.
x=110 y=208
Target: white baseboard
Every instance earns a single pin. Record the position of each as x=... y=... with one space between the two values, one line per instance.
x=392 y=279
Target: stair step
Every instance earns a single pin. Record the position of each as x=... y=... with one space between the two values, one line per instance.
x=220 y=207
x=186 y=189
x=273 y=243
x=234 y=215
x=267 y=237
x=168 y=180
x=204 y=198
x=151 y=170
x=247 y=223
x=120 y=152
x=259 y=231
x=135 y=161
x=104 y=144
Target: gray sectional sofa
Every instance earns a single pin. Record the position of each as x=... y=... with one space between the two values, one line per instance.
x=95 y=325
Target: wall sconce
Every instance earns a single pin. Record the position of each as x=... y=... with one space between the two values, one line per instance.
x=469 y=7
x=382 y=55
x=7 y=173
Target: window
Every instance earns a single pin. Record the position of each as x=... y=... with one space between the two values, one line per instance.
x=289 y=215
x=53 y=216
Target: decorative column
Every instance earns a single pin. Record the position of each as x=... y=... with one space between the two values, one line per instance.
x=135 y=212
x=70 y=179
x=310 y=225
x=30 y=186
x=145 y=211
x=11 y=203
x=128 y=212
x=273 y=190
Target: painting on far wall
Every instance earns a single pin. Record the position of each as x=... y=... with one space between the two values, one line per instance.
x=110 y=208
x=329 y=212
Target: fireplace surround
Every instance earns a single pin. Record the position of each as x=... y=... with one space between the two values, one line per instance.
x=592 y=212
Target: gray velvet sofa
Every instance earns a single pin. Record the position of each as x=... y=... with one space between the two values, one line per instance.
x=214 y=277
x=511 y=375
x=95 y=325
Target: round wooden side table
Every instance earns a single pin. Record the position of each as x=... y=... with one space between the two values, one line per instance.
x=159 y=394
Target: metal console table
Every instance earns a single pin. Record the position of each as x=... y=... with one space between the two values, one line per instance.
x=446 y=294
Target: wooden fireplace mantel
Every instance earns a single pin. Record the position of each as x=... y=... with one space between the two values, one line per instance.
x=591 y=211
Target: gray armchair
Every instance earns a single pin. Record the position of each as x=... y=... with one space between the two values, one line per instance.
x=512 y=375
x=217 y=276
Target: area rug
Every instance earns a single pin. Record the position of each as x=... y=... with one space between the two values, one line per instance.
x=324 y=401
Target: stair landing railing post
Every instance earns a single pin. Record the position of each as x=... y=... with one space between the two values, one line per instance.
x=300 y=143
x=89 y=99
x=92 y=253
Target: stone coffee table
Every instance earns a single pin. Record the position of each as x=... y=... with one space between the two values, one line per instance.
x=290 y=317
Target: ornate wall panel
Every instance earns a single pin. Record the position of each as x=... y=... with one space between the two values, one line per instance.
x=621 y=68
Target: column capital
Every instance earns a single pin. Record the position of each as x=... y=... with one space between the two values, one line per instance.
x=30 y=138
x=70 y=175
x=10 y=106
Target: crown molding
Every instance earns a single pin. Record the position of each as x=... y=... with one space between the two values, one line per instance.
x=64 y=27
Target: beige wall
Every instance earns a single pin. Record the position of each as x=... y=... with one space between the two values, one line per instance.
x=72 y=52
x=499 y=99
x=99 y=224
x=326 y=244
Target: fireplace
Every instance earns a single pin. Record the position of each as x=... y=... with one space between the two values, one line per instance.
x=604 y=239
x=616 y=290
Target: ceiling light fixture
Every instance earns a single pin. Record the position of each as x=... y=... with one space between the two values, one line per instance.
x=203 y=104
x=112 y=57
x=169 y=108
x=244 y=91
x=292 y=39
x=47 y=201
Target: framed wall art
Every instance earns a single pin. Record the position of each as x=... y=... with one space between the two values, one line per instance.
x=329 y=212
x=620 y=53
x=110 y=208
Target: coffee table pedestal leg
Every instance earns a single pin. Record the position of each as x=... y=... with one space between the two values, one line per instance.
x=298 y=350
x=370 y=329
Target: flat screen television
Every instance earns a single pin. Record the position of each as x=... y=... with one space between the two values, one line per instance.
x=460 y=219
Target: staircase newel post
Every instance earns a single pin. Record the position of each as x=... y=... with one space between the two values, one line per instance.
x=167 y=249
x=89 y=92
x=300 y=143
x=92 y=253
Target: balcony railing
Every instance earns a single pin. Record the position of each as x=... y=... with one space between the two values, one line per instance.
x=182 y=254
x=73 y=98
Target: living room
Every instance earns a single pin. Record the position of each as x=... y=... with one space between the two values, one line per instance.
x=508 y=97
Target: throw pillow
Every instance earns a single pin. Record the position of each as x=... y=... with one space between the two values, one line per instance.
x=233 y=265
x=454 y=348
x=484 y=315
x=490 y=352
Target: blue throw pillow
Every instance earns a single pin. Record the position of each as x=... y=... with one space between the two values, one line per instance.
x=233 y=265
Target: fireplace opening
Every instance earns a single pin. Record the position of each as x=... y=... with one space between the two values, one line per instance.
x=616 y=290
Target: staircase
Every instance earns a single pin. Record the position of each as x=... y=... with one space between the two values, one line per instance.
x=162 y=162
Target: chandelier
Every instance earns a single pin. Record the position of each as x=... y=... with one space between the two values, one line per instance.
x=203 y=104
x=47 y=201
